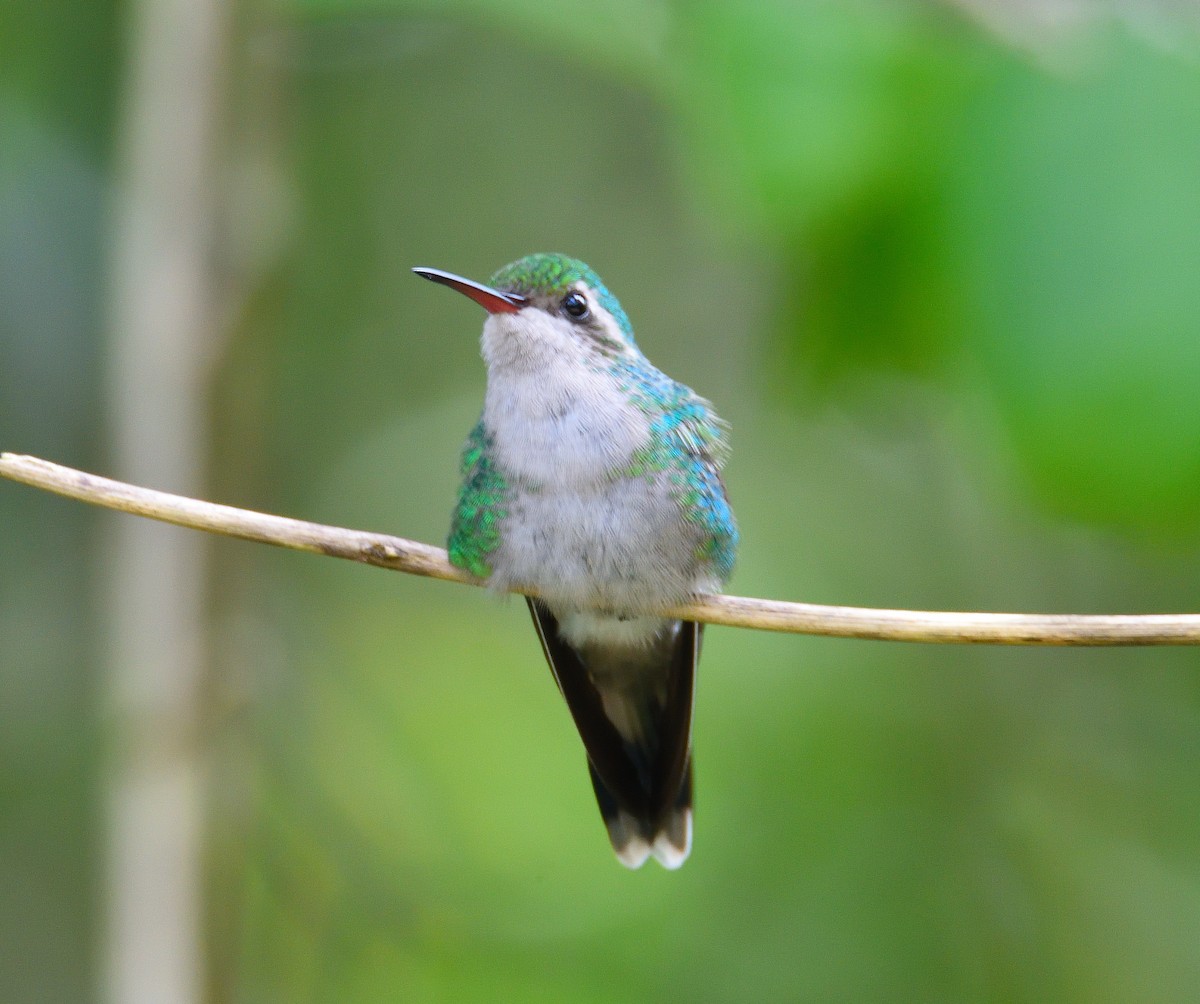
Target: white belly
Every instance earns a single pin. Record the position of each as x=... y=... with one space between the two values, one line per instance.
x=620 y=546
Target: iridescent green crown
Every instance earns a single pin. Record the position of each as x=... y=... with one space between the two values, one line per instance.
x=554 y=273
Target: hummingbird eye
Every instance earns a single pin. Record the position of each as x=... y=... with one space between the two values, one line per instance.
x=575 y=306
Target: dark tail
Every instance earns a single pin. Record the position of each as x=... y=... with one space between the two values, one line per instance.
x=632 y=706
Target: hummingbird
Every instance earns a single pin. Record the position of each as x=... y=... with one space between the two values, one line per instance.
x=592 y=481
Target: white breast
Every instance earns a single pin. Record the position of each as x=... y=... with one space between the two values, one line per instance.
x=566 y=427
x=575 y=529
x=555 y=418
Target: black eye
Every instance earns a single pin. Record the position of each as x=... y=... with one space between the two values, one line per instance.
x=575 y=306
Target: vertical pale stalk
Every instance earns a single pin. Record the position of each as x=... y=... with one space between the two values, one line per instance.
x=160 y=338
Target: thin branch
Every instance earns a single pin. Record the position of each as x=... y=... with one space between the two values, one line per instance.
x=731 y=611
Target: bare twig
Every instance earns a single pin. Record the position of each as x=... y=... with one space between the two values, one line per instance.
x=732 y=611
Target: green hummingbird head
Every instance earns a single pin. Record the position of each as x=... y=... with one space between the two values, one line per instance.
x=550 y=279
x=564 y=291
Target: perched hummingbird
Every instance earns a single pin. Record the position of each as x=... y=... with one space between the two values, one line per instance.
x=592 y=479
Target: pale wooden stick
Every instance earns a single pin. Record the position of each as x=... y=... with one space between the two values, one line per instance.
x=731 y=611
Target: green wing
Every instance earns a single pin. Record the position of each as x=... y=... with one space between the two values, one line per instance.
x=693 y=441
x=687 y=444
x=475 y=528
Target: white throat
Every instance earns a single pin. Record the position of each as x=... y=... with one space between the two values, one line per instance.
x=556 y=416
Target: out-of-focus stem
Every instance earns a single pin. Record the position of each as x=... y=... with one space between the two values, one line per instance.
x=160 y=337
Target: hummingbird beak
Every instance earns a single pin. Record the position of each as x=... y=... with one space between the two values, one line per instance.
x=491 y=300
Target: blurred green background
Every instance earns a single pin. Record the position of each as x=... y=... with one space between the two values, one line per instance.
x=937 y=263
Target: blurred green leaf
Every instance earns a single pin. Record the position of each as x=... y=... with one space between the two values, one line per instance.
x=1076 y=219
